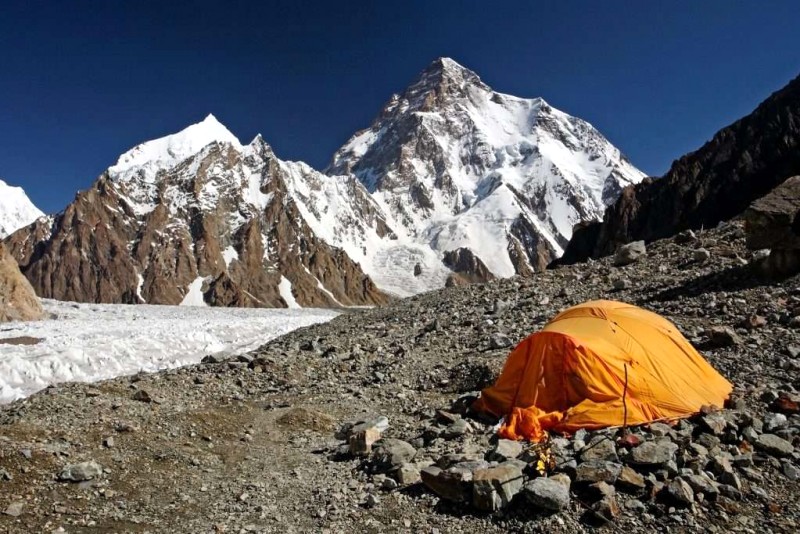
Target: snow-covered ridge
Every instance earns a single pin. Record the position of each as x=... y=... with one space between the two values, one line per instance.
x=448 y=164
x=455 y=164
x=166 y=152
x=16 y=209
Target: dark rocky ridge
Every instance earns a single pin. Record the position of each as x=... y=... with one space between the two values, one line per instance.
x=741 y=163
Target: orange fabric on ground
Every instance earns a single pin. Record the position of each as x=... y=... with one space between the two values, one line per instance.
x=571 y=375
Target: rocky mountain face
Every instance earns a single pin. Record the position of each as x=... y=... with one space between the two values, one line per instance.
x=18 y=302
x=196 y=218
x=717 y=182
x=457 y=166
x=16 y=209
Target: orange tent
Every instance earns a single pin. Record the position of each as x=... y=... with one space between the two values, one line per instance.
x=572 y=374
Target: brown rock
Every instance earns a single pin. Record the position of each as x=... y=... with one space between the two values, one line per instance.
x=494 y=487
x=786 y=404
x=467 y=268
x=773 y=221
x=18 y=301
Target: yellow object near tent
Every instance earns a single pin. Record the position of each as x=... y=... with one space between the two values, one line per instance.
x=572 y=374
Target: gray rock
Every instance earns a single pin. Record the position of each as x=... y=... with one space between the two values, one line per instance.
x=730 y=492
x=631 y=481
x=390 y=453
x=720 y=465
x=715 y=423
x=499 y=341
x=774 y=445
x=494 y=487
x=653 y=453
x=408 y=474
x=661 y=429
x=600 y=448
x=457 y=429
x=15 y=509
x=607 y=507
x=702 y=484
x=81 y=472
x=597 y=471
x=550 y=493
x=505 y=449
x=142 y=395
x=750 y=434
x=680 y=492
x=453 y=483
x=701 y=255
x=790 y=471
x=685 y=237
x=774 y=421
x=621 y=283
x=627 y=254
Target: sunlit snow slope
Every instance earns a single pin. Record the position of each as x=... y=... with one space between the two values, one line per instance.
x=16 y=209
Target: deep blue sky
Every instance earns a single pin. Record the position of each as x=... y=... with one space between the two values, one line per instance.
x=81 y=82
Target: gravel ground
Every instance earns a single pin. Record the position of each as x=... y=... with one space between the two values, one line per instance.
x=253 y=444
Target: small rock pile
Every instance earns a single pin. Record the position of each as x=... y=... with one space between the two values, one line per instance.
x=703 y=465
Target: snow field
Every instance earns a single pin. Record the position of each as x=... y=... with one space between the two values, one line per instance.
x=90 y=342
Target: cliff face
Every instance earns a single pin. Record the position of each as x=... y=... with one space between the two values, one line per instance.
x=717 y=182
x=18 y=302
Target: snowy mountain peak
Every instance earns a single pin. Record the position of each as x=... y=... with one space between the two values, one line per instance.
x=444 y=79
x=16 y=209
x=457 y=166
x=165 y=152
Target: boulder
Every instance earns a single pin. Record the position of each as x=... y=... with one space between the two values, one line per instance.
x=597 y=471
x=81 y=472
x=550 y=493
x=703 y=484
x=390 y=454
x=454 y=483
x=506 y=449
x=653 y=453
x=680 y=492
x=494 y=487
x=18 y=301
x=773 y=221
x=723 y=336
x=630 y=481
x=600 y=448
x=774 y=445
x=627 y=254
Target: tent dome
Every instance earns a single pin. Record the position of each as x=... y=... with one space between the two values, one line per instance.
x=572 y=374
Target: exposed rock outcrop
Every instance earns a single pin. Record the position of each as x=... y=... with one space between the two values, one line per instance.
x=773 y=222
x=228 y=225
x=18 y=302
x=467 y=268
x=741 y=163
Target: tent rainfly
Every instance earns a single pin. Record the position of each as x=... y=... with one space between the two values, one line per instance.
x=601 y=364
